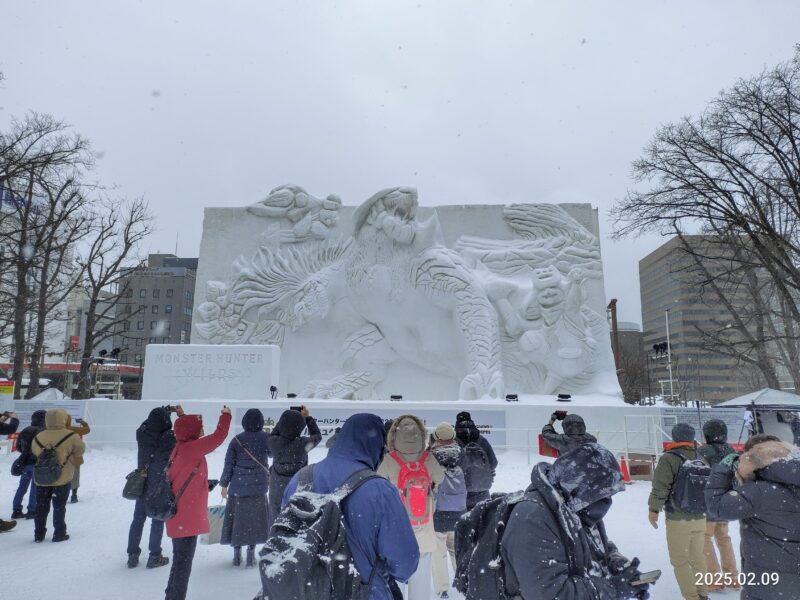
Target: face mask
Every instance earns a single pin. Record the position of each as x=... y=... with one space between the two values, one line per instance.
x=594 y=513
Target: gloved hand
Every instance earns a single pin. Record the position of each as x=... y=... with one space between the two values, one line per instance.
x=617 y=563
x=622 y=583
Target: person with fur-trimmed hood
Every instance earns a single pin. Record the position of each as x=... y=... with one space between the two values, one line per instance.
x=412 y=469
x=555 y=545
x=761 y=489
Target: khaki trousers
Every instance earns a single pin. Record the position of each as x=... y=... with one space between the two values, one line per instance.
x=445 y=544
x=719 y=532
x=685 y=542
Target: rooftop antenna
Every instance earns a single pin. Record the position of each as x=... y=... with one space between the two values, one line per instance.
x=177 y=234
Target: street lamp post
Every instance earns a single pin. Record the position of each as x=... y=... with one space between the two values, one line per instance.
x=669 y=358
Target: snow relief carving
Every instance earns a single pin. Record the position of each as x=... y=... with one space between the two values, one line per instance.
x=386 y=294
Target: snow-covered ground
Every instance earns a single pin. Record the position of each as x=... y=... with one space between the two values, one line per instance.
x=91 y=565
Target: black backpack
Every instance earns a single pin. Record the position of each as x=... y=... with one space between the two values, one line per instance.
x=688 y=490
x=480 y=574
x=477 y=469
x=47 y=469
x=307 y=556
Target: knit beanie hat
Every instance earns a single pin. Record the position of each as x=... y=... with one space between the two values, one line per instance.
x=683 y=432
x=444 y=431
x=463 y=416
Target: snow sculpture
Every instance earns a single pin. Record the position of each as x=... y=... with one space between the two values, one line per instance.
x=385 y=305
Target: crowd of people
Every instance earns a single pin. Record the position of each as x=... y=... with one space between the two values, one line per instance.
x=417 y=507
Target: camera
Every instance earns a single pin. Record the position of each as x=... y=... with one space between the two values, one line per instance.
x=560 y=414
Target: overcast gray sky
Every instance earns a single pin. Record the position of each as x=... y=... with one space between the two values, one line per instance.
x=198 y=103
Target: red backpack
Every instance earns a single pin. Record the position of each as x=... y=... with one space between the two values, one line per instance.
x=414 y=482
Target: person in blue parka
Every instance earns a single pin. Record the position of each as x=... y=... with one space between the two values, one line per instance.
x=762 y=491
x=244 y=483
x=377 y=526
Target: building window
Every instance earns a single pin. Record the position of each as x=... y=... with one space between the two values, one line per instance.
x=152 y=340
x=142 y=293
x=169 y=293
x=153 y=325
x=128 y=293
x=128 y=309
x=168 y=308
x=165 y=340
x=139 y=341
x=139 y=325
x=154 y=309
x=187 y=327
x=156 y=293
x=187 y=311
x=138 y=358
x=126 y=326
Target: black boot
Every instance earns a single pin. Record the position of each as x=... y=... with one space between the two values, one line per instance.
x=133 y=561
x=251 y=556
x=237 y=556
x=74 y=498
x=17 y=514
x=153 y=562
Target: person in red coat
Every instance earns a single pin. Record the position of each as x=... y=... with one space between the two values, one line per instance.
x=188 y=464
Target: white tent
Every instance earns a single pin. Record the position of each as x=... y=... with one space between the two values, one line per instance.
x=51 y=395
x=766 y=399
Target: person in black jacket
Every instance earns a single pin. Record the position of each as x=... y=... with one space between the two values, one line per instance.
x=28 y=460
x=244 y=483
x=155 y=440
x=468 y=433
x=574 y=433
x=555 y=544
x=762 y=490
x=289 y=449
x=715 y=450
x=8 y=423
x=796 y=430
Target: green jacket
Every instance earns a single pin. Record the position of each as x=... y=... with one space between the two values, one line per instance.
x=663 y=480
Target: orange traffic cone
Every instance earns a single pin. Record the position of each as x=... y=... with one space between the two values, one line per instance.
x=623 y=467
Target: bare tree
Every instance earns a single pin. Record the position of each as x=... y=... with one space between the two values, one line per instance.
x=36 y=150
x=118 y=230
x=733 y=175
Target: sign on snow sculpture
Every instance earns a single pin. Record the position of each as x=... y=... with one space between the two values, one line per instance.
x=390 y=297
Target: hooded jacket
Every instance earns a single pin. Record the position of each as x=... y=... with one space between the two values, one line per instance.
x=246 y=461
x=69 y=453
x=547 y=551
x=768 y=507
x=190 y=452
x=717 y=447
x=288 y=447
x=408 y=438
x=467 y=432
x=376 y=523
x=26 y=437
x=155 y=441
x=574 y=434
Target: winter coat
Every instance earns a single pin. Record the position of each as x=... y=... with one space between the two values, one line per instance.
x=574 y=434
x=26 y=437
x=467 y=431
x=242 y=475
x=769 y=510
x=713 y=453
x=9 y=427
x=155 y=441
x=289 y=449
x=408 y=437
x=69 y=453
x=376 y=523
x=190 y=452
x=451 y=495
x=548 y=553
x=664 y=478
